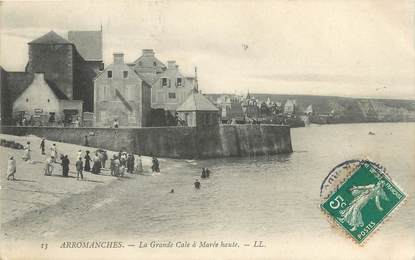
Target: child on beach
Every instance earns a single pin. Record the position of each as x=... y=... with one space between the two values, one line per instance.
x=79 y=167
x=11 y=168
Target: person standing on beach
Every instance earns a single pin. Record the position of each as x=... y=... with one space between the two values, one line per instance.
x=104 y=158
x=79 y=167
x=112 y=165
x=26 y=154
x=116 y=166
x=130 y=163
x=11 y=168
x=156 y=166
x=96 y=167
x=87 y=158
x=42 y=145
x=139 y=165
x=49 y=166
x=54 y=152
x=65 y=166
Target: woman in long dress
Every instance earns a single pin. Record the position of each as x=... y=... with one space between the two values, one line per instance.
x=139 y=165
x=352 y=214
x=26 y=154
x=96 y=167
x=49 y=166
x=87 y=158
x=54 y=153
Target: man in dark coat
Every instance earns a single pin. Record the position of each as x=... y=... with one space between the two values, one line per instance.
x=65 y=166
x=42 y=145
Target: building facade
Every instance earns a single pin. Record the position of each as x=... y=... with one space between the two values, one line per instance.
x=122 y=95
x=171 y=88
x=47 y=108
x=63 y=66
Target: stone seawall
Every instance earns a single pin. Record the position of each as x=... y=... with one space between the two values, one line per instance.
x=173 y=142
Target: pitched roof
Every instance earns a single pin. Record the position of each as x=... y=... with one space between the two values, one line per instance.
x=88 y=44
x=17 y=82
x=197 y=102
x=50 y=38
x=58 y=93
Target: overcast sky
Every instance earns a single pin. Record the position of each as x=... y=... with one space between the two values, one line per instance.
x=357 y=48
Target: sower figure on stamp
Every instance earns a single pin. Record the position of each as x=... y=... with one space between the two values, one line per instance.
x=352 y=215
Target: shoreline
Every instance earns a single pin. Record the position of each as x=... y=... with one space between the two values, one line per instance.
x=32 y=191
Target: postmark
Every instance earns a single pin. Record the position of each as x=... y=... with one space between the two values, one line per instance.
x=359 y=196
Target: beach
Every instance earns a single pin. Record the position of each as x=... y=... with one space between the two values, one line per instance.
x=32 y=191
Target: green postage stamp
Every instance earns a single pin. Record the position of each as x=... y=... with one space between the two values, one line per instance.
x=363 y=201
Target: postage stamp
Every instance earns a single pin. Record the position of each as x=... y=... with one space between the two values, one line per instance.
x=362 y=200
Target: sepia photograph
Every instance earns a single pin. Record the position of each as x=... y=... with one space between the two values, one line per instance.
x=238 y=129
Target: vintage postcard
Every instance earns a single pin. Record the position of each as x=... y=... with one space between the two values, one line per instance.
x=239 y=129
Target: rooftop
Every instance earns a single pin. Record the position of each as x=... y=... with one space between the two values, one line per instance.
x=50 y=38
x=197 y=102
x=88 y=44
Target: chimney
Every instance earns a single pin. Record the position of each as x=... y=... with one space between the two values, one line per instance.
x=171 y=64
x=148 y=52
x=118 y=58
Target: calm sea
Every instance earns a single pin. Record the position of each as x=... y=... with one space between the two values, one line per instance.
x=270 y=198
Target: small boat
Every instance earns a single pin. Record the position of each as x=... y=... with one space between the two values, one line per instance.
x=371 y=133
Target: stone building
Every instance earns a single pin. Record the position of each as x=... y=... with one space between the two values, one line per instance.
x=171 y=88
x=49 y=107
x=198 y=111
x=121 y=94
x=63 y=66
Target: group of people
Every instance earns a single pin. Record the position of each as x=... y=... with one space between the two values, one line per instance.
x=119 y=164
x=124 y=162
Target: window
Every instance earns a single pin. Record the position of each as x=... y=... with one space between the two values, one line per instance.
x=48 y=100
x=164 y=82
x=125 y=74
x=179 y=82
x=109 y=74
x=172 y=95
x=27 y=100
x=154 y=63
x=140 y=63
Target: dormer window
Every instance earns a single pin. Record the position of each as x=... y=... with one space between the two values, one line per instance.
x=179 y=82
x=109 y=74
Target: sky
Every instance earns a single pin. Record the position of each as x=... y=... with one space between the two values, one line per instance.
x=353 y=48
